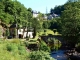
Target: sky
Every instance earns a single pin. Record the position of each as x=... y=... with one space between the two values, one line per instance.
x=42 y=5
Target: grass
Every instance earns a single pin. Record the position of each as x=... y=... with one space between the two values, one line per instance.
x=13 y=50
x=16 y=50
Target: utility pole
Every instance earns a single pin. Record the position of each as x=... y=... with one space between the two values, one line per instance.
x=46 y=10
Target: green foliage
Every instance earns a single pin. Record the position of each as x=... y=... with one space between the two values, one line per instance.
x=54 y=43
x=13 y=51
x=73 y=0
x=46 y=24
x=40 y=16
x=57 y=9
x=21 y=49
x=11 y=47
x=44 y=47
x=40 y=55
x=30 y=10
x=26 y=44
x=55 y=24
x=35 y=23
x=48 y=31
x=71 y=22
x=14 y=11
x=17 y=51
x=51 y=40
x=6 y=18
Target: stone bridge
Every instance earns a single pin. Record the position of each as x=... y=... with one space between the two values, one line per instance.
x=59 y=37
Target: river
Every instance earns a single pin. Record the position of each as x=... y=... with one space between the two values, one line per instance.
x=59 y=55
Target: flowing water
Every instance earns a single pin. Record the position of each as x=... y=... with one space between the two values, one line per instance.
x=59 y=55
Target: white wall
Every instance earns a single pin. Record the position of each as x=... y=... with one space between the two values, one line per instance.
x=30 y=34
x=35 y=15
x=25 y=34
x=20 y=31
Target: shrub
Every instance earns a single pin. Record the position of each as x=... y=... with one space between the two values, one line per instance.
x=11 y=47
x=26 y=44
x=54 y=43
x=40 y=55
x=22 y=50
x=13 y=51
x=44 y=47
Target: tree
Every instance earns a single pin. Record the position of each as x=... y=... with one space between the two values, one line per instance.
x=51 y=11
x=13 y=11
x=46 y=24
x=73 y=0
x=40 y=16
x=57 y=9
x=30 y=10
x=35 y=23
x=6 y=18
x=55 y=24
x=71 y=22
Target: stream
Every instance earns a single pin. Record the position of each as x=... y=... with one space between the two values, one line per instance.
x=59 y=55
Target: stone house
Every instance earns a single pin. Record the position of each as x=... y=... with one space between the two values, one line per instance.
x=23 y=33
x=20 y=32
x=35 y=14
